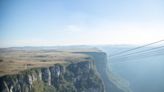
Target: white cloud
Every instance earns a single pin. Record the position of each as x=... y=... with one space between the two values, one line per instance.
x=121 y=33
x=103 y=32
x=73 y=28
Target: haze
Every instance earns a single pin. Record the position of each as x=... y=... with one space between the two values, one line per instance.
x=63 y=22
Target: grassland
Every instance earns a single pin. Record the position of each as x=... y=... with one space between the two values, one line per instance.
x=14 y=60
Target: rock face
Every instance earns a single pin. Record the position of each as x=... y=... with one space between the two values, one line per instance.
x=88 y=75
x=100 y=59
x=73 y=77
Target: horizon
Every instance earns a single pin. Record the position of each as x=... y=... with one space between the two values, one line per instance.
x=86 y=45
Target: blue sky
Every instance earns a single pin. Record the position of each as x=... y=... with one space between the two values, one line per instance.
x=71 y=22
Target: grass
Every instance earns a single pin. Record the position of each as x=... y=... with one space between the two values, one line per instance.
x=40 y=86
x=12 y=61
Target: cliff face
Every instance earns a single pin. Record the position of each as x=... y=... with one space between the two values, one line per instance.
x=100 y=59
x=73 y=77
x=25 y=70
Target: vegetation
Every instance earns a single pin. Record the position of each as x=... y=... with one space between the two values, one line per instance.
x=21 y=69
x=40 y=86
x=12 y=61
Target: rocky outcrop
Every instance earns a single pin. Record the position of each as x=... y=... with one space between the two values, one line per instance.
x=73 y=77
x=88 y=75
x=100 y=59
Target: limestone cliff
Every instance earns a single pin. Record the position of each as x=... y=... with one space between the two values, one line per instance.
x=47 y=70
x=55 y=70
x=74 y=77
x=110 y=84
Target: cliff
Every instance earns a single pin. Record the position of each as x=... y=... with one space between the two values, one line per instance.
x=75 y=72
x=112 y=83
x=55 y=70
x=75 y=77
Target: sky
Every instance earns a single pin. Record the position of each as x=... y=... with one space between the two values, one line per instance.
x=80 y=22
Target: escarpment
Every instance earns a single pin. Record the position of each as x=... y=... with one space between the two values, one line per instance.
x=75 y=77
x=54 y=70
x=100 y=59
x=72 y=75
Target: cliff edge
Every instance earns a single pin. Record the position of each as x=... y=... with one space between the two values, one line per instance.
x=100 y=59
x=26 y=70
x=55 y=70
